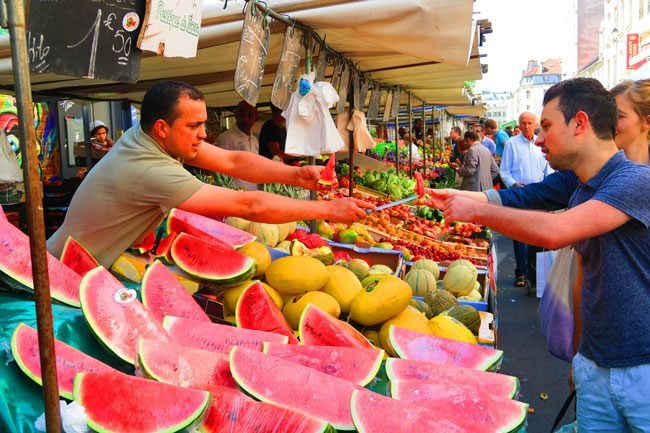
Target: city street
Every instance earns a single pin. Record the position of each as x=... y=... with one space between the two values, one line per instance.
x=525 y=354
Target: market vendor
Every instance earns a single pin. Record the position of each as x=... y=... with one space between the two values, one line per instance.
x=129 y=192
x=99 y=135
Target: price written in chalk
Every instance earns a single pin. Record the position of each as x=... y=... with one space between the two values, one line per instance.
x=94 y=39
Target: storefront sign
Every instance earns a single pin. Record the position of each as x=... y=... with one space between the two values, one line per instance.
x=171 y=27
x=632 y=48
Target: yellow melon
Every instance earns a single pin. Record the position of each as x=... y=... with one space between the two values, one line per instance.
x=296 y=274
x=342 y=285
x=231 y=295
x=380 y=301
x=448 y=327
x=261 y=255
x=410 y=318
x=293 y=308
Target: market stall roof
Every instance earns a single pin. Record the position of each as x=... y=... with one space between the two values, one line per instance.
x=427 y=47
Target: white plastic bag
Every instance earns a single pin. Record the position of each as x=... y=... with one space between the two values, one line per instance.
x=10 y=172
x=543 y=269
x=310 y=128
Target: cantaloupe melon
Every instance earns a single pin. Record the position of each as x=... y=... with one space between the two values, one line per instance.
x=440 y=300
x=429 y=265
x=421 y=281
x=459 y=280
x=268 y=234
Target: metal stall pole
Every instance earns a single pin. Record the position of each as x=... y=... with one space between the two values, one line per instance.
x=410 y=108
x=35 y=224
x=313 y=195
x=396 y=138
x=424 y=133
x=352 y=146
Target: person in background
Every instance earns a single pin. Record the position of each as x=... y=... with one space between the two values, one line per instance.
x=130 y=191
x=418 y=129
x=608 y=222
x=455 y=135
x=484 y=139
x=240 y=137
x=274 y=135
x=508 y=130
x=478 y=167
x=516 y=130
x=523 y=163
x=633 y=130
x=500 y=137
x=99 y=135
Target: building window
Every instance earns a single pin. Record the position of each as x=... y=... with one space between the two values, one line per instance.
x=527 y=94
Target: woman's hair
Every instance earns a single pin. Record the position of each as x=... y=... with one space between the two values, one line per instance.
x=463 y=145
x=471 y=136
x=637 y=92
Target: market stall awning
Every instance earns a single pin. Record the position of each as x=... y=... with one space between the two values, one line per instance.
x=427 y=47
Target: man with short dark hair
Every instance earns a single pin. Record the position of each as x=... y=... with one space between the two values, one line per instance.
x=274 y=135
x=500 y=137
x=608 y=223
x=130 y=191
x=455 y=134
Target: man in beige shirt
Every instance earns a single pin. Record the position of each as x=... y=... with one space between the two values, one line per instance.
x=129 y=192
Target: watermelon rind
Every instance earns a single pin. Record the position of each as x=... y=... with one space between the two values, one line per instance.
x=133 y=401
x=500 y=384
x=217 y=337
x=331 y=331
x=184 y=366
x=116 y=324
x=453 y=399
x=179 y=220
x=482 y=358
x=69 y=361
x=164 y=295
x=77 y=258
x=16 y=267
x=290 y=385
x=350 y=363
x=207 y=261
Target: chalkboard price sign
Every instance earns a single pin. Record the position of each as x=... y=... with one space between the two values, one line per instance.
x=85 y=38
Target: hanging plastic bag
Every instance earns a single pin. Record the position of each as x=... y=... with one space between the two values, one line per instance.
x=544 y=263
x=556 y=306
x=253 y=48
x=10 y=173
x=310 y=128
x=286 y=72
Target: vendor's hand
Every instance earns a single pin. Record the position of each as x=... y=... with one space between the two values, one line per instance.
x=307 y=177
x=438 y=197
x=347 y=210
x=457 y=208
x=454 y=164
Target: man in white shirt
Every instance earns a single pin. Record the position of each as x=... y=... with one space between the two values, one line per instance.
x=240 y=137
x=522 y=163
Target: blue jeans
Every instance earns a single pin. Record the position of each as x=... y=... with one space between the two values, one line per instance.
x=611 y=400
x=526 y=259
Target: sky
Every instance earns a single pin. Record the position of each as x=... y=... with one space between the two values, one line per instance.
x=522 y=30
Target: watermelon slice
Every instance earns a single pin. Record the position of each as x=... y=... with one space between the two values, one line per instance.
x=145 y=245
x=419 y=185
x=500 y=385
x=202 y=227
x=164 y=248
x=115 y=315
x=294 y=386
x=184 y=366
x=463 y=402
x=216 y=337
x=77 y=258
x=135 y=404
x=256 y=310
x=212 y=261
x=350 y=363
x=69 y=361
x=164 y=295
x=425 y=347
x=374 y=413
x=16 y=267
x=318 y=328
x=232 y=411
x=328 y=175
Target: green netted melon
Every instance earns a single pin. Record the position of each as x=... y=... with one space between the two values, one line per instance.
x=380 y=270
x=422 y=307
x=440 y=300
x=421 y=281
x=467 y=315
x=459 y=280
x=429 y=265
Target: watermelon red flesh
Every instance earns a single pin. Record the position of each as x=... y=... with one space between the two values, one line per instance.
x=216 y=337
x=209 y=261
x=202 y=227
x=117 y=324
x=164 y=295
x=419 y=186
x=318 y=328
x=117 y=402
x=16 y=263
x=185 y=366
x=164 y=252
x=424 y=347
x=69 y=361
x=500 y=385
x=145 y=245
x=375 y=413
x=328 y=175
x=77 y=258
x=233 y=412
x=256 y=310
x=293 y=386
x=463 y=402
x=350 y=363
